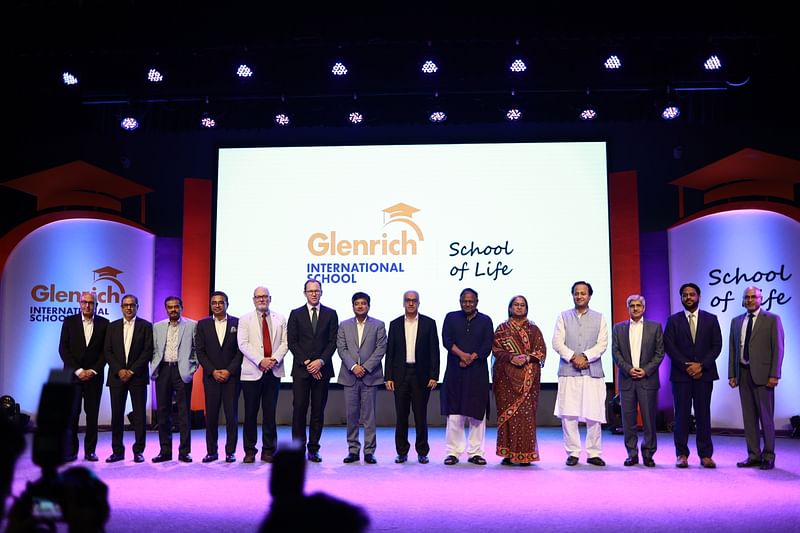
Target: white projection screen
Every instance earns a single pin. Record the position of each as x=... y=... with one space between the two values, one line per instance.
x=503 y=219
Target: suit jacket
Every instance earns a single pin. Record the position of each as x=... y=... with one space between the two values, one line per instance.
x=369 y=354
x=650 y=356
x=251 y=343
x=139 y=357
x=426 y=350
x=215 y=356
x=766 y=347
x=73 y=349
x=681 y=350
x=187 y=356
x=307 y=345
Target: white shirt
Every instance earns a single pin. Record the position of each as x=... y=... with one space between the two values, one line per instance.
x=88 y=329
x=127 y=335
x=744 y=332
x=221 y=326
x=411 y=338
x=635 y=337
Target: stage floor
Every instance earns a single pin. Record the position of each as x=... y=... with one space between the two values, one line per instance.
x=221 y=497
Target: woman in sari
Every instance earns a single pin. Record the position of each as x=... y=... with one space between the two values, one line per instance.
x=519 y=352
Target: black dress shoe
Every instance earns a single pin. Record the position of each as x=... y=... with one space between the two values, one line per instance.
x=423 y=459
x=185 y=458
x=477 y=460
x=161 y=458
x=114 y=457
x=596 y=461
x=767 y=464
x=249 y=458
x=230 y=458
x=91 y=457
x=506 y=462
x=370 y=459
x=351 y=458
x=572 y=460
x=210 y=457
x=749 y=463
x=649 y=463
x=631 y=461
x=138 y=458
x=450 y=460
x=314 y=457
x=266 y=457
x=401 y=458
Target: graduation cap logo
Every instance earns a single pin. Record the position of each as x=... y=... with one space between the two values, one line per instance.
x=109 y=273
x=402 y=213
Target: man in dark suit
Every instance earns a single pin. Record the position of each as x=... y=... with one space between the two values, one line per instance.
x=81 y=349
x=311 y=331
x=637 y=346
x=129 y=349
x=754 y=365
x=412 y=372
x=693 y=341
x=219 y=356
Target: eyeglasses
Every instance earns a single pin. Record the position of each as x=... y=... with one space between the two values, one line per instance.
x=313 y=292
x=411 y=300
x=260 y=297
x=218 y=303
x=84 y=302
x=129 y=305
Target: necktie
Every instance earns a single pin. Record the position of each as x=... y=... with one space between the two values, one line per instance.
x=313 y=320
x=692 y=325
x=747 y=335
x=265 y=336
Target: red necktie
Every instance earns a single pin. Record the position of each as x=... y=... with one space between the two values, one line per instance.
x=265 y=335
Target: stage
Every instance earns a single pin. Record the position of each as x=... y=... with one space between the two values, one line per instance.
x=547 y=496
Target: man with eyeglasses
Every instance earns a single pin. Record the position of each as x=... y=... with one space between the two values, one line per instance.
x=81 y=349
x=221 y=359
x=312 y=339
x=262 y=341
x=129 y=350
x=412 y=372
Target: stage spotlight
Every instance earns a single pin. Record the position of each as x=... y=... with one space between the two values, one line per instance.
x=437 y=116
x=338 y=69
x=244 y=71
x=207 y=121
x=588 y=112
x=518 y=65
x=612 y=62
x=429 y=67
x=355 y=118
x=712 y=63
x=129 y=123
x=795 y=421
x=69 y=78
x=282 y=119
x=513 y=114
x=154 y=76
x=670 y=111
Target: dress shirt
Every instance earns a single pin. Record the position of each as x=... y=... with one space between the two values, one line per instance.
x=88 y=329
x=411 y=338
x=171 y=349
x=743 y=334
x=635 y=337
x=221 y=326
x=127 y=335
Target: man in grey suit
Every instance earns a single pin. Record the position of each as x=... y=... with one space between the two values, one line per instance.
x=361 y=343
x=637 y=346
x=754 y=365
x=174 y=365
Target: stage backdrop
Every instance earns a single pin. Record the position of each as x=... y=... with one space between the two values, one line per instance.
x=41 y=284
x=723 y=253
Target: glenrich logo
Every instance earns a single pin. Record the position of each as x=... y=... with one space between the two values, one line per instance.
x=106 y=285
x=406 y=243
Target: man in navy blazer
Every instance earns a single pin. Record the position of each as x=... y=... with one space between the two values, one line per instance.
x=174 y=365
x=361 y=343
x=221 y=360
x=693 y=341
x=412 y=372
x=754 y=365
x=637 y=346
x=128 y=349
x=81 y=349
x=312 y=330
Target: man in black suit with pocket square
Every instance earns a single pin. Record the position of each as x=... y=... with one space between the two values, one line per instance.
x=81 y=349
x=129 y=350
x=311 y=331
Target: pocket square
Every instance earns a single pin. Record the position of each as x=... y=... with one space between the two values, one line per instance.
x=233 y=329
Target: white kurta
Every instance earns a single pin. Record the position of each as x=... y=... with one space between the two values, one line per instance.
x=581 y=396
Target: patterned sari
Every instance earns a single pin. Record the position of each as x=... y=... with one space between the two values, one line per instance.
x=516 y=389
